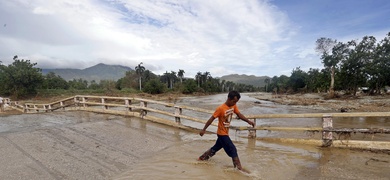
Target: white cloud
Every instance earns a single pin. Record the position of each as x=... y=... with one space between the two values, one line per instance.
x=219 y=36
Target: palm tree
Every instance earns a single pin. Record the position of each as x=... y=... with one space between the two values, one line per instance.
x=139 y=70
x=206 y=76
x=266 y=80
x=181 y=75
x=223 y=85
x=172 y=77
x=198 y=77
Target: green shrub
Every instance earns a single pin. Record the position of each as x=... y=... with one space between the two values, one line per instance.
x=190 y=87
x=154 y=86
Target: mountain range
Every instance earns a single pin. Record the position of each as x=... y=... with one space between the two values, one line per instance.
x=114 y=72
x=98 y=72
x=257 y=81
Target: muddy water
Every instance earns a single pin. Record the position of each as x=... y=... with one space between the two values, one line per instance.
x=96 y=146
x=265 y=160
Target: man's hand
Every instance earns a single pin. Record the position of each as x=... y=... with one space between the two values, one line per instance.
x=201 y=133
x=251 y=123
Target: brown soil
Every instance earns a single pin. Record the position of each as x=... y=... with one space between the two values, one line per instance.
x=342 y=103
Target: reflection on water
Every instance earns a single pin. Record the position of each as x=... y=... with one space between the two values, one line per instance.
x=362 y=122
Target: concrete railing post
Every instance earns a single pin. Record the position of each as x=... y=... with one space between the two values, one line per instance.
x=143 y=112
x=62 y=105
x=127 y=103
x=84 y=100
x=76 y=102
x=327 y=136
x=252 y=132
x=178 y=112
x=104 y=106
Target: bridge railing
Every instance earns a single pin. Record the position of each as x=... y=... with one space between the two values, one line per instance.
x=327 y=129
x=162 y=112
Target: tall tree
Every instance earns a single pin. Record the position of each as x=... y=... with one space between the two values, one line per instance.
x=223 y=83
x=283 y=83
x=20 y=78
x=315 y=80
x=324 y=46
x=380 y=69
x=129 y=81
x=359 y=61
x=148 y=75
x=172 y=78
x=198 y=78
x=266 y=81
x=53 y=81
x=139 y=71
x=298 y=79
x=275 y=84
x=340 y=52
x=180 y=74
x=166 y=78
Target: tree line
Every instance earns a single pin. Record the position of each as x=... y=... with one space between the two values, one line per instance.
x=347 y=66
x=23 y=79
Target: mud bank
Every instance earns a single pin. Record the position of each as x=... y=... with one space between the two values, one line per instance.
x=360 y=103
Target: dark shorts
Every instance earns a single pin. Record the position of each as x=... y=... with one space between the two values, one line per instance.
x=226 y=143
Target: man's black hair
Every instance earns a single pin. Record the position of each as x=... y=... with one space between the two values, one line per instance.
x=233 y=94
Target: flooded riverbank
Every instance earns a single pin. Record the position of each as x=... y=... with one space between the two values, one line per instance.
x=82 y=145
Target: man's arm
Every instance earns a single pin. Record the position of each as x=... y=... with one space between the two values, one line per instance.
x=241 y=116
x=211 y=119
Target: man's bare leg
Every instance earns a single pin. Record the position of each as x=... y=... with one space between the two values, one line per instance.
x=207 y=155
x=237 y=163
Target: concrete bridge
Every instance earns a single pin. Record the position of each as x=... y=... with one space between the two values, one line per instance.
x=172 y=115
x=102 y=146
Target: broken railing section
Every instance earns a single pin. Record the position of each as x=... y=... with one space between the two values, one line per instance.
x=36 y=108
x=327 y=128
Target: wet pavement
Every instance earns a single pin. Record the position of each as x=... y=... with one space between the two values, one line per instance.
x=76 y=145
x=83 y=145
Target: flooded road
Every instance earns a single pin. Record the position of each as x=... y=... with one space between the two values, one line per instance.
x=82 y=145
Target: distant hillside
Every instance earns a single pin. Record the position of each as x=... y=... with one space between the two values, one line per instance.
x=114 y=72
x=257 y=81
x=98 y=72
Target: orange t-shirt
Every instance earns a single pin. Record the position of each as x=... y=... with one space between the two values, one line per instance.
x=224 y=114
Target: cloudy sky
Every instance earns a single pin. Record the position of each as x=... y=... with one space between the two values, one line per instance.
x=253 y=37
